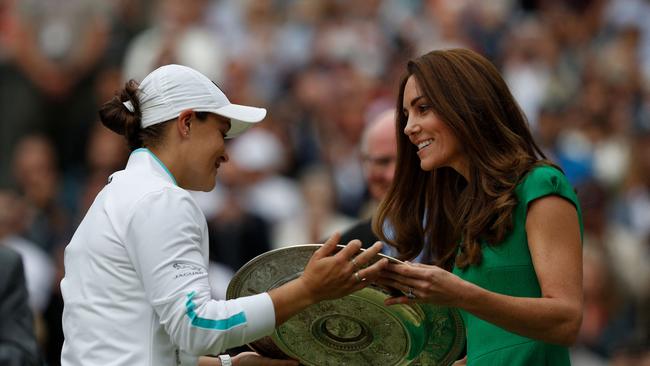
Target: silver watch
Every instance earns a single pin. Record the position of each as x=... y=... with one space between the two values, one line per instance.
x=225 y=360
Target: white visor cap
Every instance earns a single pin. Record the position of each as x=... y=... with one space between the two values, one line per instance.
x=171 y=89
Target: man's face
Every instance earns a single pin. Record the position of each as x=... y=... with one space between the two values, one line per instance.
x=379 y=155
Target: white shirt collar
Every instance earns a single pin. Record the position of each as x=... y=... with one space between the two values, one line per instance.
x=143 y=157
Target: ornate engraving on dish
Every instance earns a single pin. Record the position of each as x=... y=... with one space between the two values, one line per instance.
x=347 y=331
x=355 y=330
x=447 y=336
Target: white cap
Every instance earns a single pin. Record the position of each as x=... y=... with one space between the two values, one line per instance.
x=171 y=89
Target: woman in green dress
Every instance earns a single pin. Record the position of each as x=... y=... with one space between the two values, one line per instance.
x=502 y=222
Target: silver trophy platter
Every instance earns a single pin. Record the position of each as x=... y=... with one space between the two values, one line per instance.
x=357 y=329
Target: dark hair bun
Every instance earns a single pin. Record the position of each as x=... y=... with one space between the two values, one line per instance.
x=119 y=119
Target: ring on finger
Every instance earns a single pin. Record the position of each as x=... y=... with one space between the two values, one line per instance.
x=355 y=263
x=410 y=293
x=357 y=277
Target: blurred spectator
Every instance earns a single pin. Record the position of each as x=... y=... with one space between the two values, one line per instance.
x=258 y=157
x=486 y=23
x=626 y=252
x=237 y=236
x=608 y=318
x=340 y=121
x=38 y=181
x=319 y=218
x=178 y=35
x=634 y=203
x=128 y=18
x=17 y=342
x=106 y=154
x=379 y=155
x=352 y=35
x=574 y=151
x=39 y=269
x=439 y=25
x=526 y=66
x=52 y=51
x=633 y=14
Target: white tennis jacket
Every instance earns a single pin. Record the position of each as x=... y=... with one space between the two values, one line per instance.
x=136 y=288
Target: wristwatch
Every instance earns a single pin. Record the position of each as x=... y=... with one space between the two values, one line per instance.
x=225 y=360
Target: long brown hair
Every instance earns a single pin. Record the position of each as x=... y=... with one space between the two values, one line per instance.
x=440 y=208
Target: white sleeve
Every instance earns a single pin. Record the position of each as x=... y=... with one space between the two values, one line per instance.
x=163 y=240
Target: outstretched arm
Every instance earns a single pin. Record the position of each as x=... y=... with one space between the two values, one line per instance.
x=554 y=241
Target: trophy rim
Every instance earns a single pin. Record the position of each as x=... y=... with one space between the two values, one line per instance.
x=237 y=287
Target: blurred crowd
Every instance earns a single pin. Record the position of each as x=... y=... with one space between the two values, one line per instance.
x=580 y=70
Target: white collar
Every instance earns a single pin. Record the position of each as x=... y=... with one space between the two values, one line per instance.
x=143 y=157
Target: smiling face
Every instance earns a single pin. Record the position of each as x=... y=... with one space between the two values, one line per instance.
x=436 y=144
x=207 y=151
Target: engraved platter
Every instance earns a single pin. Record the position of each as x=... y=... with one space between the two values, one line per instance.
x=357 y=329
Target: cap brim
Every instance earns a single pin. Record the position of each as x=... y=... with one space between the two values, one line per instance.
x=241 y=117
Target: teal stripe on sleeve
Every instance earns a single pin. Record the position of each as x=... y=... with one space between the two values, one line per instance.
x=221 y=324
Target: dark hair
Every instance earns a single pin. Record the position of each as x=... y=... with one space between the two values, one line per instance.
x=115 y=115
x=441 y=208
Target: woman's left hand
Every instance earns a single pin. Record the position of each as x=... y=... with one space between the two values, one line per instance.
x=421 y=283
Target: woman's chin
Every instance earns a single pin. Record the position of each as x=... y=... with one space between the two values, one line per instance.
x=427 y=167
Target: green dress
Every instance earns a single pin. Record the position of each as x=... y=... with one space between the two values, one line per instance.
x=507 y=268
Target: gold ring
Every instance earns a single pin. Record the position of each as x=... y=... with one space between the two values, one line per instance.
x=357 y=277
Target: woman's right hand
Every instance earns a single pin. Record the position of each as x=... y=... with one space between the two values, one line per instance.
x=330 y=276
